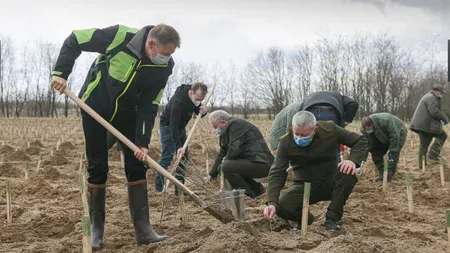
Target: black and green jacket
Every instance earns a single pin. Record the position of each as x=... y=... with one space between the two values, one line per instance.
x=122 y=83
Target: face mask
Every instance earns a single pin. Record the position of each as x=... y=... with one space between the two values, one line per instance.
x=160 y=59
x=196 y=103
x=302 y=141
x=370 y=131
x=219 y=131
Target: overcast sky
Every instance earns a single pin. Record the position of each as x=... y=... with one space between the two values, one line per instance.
x=220 y=30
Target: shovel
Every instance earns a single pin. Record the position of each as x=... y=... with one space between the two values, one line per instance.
x=216 y=212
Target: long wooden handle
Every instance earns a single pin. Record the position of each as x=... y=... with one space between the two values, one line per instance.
x=133 y=147
x=191 y=133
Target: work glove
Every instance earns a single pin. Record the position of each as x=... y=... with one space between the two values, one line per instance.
x=390 y=156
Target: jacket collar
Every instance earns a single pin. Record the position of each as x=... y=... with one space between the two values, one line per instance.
x=136 y=44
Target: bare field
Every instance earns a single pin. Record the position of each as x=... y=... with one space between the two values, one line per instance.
x=47 y=207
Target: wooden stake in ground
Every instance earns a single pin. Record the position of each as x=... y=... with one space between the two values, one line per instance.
x=182 y=209
x=8 y=202
x=448 y=226
x=38 y=167
x=222 y=181
x=441 y=170
x=81 y=161
x=423 y=163
x=57 y=145
x=373 y=173
x=122 y=160
x=26 y=170
x=409 y=192
x=207 y=163
x=385 y=175
x=305 y=213
x=86 y=221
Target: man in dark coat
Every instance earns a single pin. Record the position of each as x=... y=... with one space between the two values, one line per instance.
x=310 y=148
x=244 y=154
x=426 y=121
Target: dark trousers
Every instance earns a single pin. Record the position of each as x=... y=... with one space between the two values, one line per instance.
x=168 y=152
x=337 y=188
x=240 y=173
x=378 y=151
x=435 y=150
x=97 y=152
x=111 y=140
x=326 y=113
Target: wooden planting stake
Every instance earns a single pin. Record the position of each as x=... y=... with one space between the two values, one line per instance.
x=38 y=167
x=423 y=163
x=86 y=221
x=207 y=164
x=222 y=180
x=373 y=173
x=28 y=144
x=122 y=160
x=182 y=208
x=8 y=202
x=448 y=226
x=26 y=170
x=409 y=192
x=51 y=152
x=57 y=145
x=306 y=194
x=385 y=175
x=81 y=161
x=441 y=170
x=17 y=149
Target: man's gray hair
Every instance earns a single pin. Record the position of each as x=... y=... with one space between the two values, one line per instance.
x=304 y=118
x=219 y=115
x=164 y=34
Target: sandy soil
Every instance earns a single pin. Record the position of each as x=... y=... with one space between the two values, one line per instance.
x=47 y=207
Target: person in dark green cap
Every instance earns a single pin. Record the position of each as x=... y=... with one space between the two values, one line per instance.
x=427 y=122
x=386 y=135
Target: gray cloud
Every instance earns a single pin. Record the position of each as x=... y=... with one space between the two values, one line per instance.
x=441 y=7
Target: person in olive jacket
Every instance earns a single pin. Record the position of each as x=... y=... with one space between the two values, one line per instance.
x=426 y=121
x=386 y=133
x=310 y=147
x=244 y=154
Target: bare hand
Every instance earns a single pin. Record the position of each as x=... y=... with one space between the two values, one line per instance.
x=269 y=212
x=180 y=152
x=347 y=167
x=141 y=154
x=208 y=179
x=203 y=110
x=59 y=84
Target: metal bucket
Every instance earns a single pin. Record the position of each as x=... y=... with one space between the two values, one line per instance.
x=235 y=201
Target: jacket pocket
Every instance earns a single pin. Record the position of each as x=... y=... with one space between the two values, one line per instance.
x=435 y=126
x=121 y=66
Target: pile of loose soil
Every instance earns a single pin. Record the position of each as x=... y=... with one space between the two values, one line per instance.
x=114 y=154
x=56 y=159
x=6 y=149
x=8 y=170
x=51 y=174
x=66 y=146
x=36 y=144
x=32 y=151
x=17 y=156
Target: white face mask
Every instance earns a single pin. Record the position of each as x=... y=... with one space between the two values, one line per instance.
x=196 y=103
x=160 y=59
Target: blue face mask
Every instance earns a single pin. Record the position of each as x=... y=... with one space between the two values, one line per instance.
x=370 y=131
x=219 y=131
x=302 y=141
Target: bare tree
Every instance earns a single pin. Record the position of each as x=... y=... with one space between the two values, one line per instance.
x=269 y=76
x=6 y=73
x=302 y=69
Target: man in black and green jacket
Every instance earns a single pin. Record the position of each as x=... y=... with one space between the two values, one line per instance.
x=124 y=85
x=386 y=135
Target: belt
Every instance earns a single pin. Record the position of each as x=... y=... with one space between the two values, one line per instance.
x=323 y=107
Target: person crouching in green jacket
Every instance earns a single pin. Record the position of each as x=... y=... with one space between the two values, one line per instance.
x=386 y=134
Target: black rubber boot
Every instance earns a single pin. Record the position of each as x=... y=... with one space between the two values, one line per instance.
x=138 y=203
x=380 y=175
x=332 y=225
x=391 y=174
x=96 y=201
x=257 y=187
